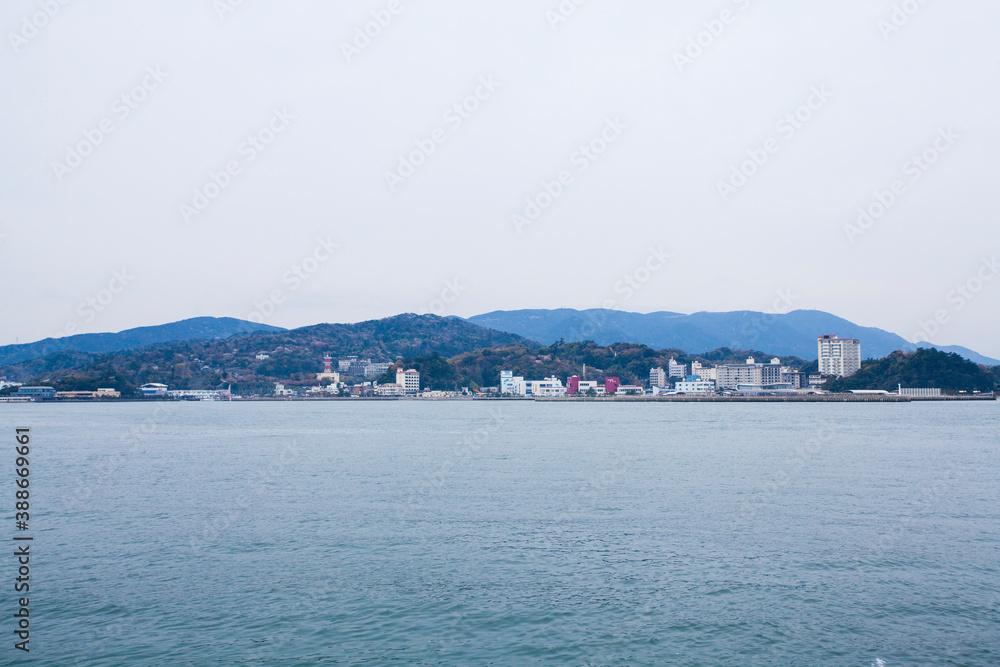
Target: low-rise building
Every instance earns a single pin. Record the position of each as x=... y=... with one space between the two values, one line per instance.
x=153 y=389
x=693 y=384
x=920 y=393
x=391 y=389
x=630 y=390
x=37 y=393
x=80 y=395
x=199 y=394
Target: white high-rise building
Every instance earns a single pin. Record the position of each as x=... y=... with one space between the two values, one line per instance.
x=657 y=378
x=409 y=381
x=676 y=370
x=839 y=356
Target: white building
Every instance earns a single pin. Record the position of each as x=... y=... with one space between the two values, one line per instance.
x=390 y=390
x=657 y=378
x=199 y=394
x=839 y=356
x=263 y=356
x=704 y=372
x=154 y=389
x=279 y=390
x=695 y=387
x=409 y=381
x=920 y=393
x=511 y=385
x=551 y=386
x=676 y=370
x=731 y=376
x=630 y=390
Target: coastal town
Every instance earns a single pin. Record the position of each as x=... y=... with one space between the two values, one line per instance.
x=753 y=379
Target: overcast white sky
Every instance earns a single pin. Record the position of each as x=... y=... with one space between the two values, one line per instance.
x=65 y=230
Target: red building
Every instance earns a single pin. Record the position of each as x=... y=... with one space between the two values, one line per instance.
x=573 y=385
x=611 y=385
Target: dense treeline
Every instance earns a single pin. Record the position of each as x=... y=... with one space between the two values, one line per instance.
x=924 y=368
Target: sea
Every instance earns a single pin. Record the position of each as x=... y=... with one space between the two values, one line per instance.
x=355 y=532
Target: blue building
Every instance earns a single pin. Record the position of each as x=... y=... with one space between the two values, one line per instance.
x=38 y=393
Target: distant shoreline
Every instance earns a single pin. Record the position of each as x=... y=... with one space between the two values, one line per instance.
x=830 y=398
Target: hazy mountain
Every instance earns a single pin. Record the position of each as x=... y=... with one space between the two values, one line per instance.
x=198 y=328
x=295 y=355
x=793 y=333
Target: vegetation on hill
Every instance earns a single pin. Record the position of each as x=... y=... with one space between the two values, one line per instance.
x=925 y=368
x=294 y=356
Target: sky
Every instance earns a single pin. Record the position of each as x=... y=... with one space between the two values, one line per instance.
x=301 y=162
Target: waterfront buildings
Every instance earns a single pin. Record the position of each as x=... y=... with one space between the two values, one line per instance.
x=676 y=370
x=919 y=393
x=37 y=393
x=657 y=378
x=409 y=380
x=154 y=389
x=518 y=386
x=576 y=386
x=703 y=372
x=839 y=356
x=390 y=390
x=695 y=385
x=78 y=395
x=199 y=394
x=328 y=372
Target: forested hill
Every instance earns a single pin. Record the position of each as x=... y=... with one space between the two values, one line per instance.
x=295 y=355
x=201 y=328
x=921 y=369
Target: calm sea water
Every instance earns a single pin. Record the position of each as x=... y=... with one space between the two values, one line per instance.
x=509 y=534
